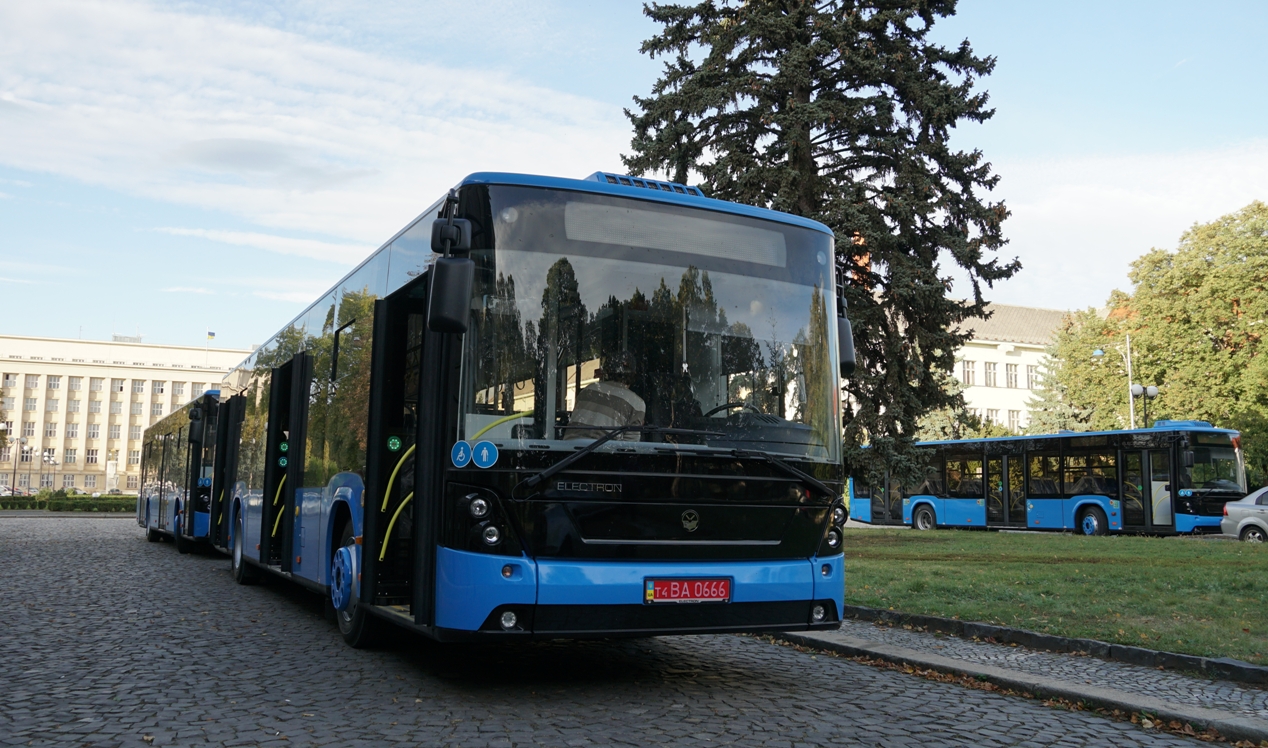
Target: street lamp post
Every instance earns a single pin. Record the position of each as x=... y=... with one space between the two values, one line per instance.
x=1148 y=393
x=1133 y=390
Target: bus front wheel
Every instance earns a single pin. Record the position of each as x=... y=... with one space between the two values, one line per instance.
x=242 y=571
x=358 y=628
x=924 y=518
x=1092 y=522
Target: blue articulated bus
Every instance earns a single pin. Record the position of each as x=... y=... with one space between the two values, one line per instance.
x=178 y=468
x=545 y=408
x=1171 y=478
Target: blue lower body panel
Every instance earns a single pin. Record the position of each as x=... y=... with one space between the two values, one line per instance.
x=202 y=524
x=579 y=597
x=1196 y=523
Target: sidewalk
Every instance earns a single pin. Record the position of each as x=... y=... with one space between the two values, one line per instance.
x=31 y=513
x=1238 y=712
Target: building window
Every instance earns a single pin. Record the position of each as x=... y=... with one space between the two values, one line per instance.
x=72 y=406
x=72 y=456
x=50 y=430
x=968 y=373
x=138 y=386
x=32 y=381
x=992 y=415
x=134 y=432
x=94 y=406
x=6 y=403
x=51 y=405
x=74 y=384
x=156 y=409
x=8 y=428
x=136 y=409
x=1014 y=420
x=134 y=482
x=116 y=407
x=95 y=383
x=989 y=374
x=90 y=457
x=10 y=380
x=46 y=480
x=116 y=385
x=158 y=387
x=28 y=428
x=113 y=431
x=198 y=389
x=26 y=454
x=1032 y=377
x=24 y=480
x=178 y=389
x=134 y=457
x=29 y=403
x=6 y=454
x=68 y=480
x=4 y=479
x=94 y=431
x=54 y=382
x=72 y=431
x=1010 y=375
x=90 y=481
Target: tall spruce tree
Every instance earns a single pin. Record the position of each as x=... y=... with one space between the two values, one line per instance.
x=842 y=112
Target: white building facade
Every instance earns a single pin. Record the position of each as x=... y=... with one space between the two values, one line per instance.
x=73 y=411
x=1000 y=366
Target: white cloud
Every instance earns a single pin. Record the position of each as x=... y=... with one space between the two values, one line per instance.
x=311 y=248
x=283 y=131
x=188 y=289
x=23 y=281
x=1077 y=224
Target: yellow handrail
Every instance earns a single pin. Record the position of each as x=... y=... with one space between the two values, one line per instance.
x=391 y=480
x=388 y=537
x=277 y=496
x=499 y=422
x=277 y=522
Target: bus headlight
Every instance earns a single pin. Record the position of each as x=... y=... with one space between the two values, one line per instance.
x=817 y=614
x=492 y=535
x=838 y=515
x=479 y=508
x=833 y=540
x=509 y=620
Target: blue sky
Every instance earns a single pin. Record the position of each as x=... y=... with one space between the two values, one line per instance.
x=166 y=168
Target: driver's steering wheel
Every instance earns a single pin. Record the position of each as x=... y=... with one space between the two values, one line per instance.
x=732 y=406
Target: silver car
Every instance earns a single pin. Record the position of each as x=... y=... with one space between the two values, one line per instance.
x=1247 y=519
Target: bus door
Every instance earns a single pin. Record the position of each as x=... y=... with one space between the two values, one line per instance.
x=1160 y=488
x=228 y=434
x=1015 y=491
x=283 y=466
x=996 y=491
x=402 y=472
x=1135 y=505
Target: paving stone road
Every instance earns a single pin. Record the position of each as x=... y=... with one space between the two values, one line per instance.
x=1169 y=686
x=111 y=640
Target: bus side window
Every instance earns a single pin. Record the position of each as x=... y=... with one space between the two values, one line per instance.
x=1045 y=476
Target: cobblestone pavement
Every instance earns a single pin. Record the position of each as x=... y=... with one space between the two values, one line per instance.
x=111 y=640
x=1166 y=685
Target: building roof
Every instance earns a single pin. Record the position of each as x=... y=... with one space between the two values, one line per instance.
x=1016 y=324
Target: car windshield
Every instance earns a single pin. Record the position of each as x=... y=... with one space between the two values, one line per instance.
x=1216 y=468
x=593 y=312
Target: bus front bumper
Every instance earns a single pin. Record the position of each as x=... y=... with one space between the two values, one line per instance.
x=581 y=598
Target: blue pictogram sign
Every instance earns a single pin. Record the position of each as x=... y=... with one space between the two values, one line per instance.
x=460 y=454
x=484 y=454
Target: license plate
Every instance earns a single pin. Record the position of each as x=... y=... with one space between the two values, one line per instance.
x=687 y=591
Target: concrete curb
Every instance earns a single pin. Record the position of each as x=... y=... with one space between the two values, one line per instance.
x=1232 y=726
x=1224 y=668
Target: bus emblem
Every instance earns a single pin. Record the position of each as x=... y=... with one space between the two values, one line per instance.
x=690 y=520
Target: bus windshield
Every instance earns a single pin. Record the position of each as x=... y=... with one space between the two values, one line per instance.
x=1215 y=468
x=592 y=312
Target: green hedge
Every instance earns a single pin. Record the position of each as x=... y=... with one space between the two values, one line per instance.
x=86 y=504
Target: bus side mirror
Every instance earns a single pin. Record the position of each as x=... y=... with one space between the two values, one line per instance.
x=845 y=335
x=449 y=299
x=455 y=231
x=1186 y=458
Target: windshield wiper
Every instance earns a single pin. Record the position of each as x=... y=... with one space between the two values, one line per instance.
x=804 y=477
x=608 y=436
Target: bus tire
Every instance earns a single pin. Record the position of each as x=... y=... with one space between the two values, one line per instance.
x=1092 y=522
x=242 y=571
x=153 y=535
x=360 y=630
x=183 y=545
x=924 y=518
x=1253 y=534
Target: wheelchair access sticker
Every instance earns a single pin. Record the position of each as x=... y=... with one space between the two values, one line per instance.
x=483 y=454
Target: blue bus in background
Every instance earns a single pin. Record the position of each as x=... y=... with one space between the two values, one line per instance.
x=1171 y=478
x=545 y=408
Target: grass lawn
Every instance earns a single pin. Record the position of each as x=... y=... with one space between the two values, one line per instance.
x=1201 y=597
